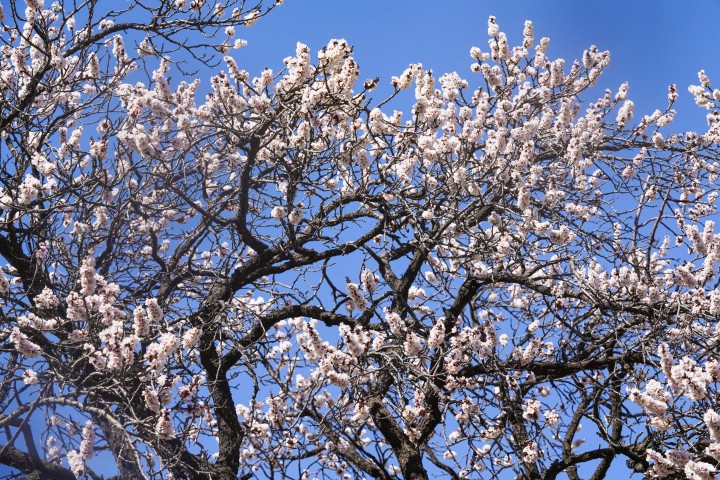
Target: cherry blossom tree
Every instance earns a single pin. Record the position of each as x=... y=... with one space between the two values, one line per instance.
x=275 y=275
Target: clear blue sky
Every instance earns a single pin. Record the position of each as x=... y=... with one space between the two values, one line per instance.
x=652 y=43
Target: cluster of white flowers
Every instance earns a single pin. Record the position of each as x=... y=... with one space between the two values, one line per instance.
x=87 y=444
x=561 y=236
x=552 y=418
x=23 y=345
x=451 y=85
x=701 y=93
x=47 y=299
x=29 y=189
x=191 y=337
x=164 y=428
x=356 y=298
x=532 y=409
x=478 y=340
x=395 y=322
x=52 y=449
x=36 y=322
x=278 y=212
x=528 y=34
x=686 y=377
x=152 y=400
x=357 y=340
x=88 y=281
x=530 y=453
x=677 y=460
x=296 y=215
x=369 y=280
x=413 y=344
x=531 y=351
x=76 y=463
x=405 y=80
x=157 y=353
x=437 y=334
x=298 y=68
x=309 y=340
x=712 y=420
x=154 y=311
x=626 y=112
x=493 y=27
x=141 y=324
x=41 y=162
x=654 y=401
x=30 y=377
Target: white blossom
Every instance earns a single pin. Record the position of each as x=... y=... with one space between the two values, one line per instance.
x=76 y=463
x=437 y=334
x=88 y=441
x=164 y=428
x=23 y=345
x=30 y=377
x=191 y=337
x=278 y=213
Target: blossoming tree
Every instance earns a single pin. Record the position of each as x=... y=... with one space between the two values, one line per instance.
x=280 y=278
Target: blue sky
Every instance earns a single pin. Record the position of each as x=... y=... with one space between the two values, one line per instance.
x=652 y=43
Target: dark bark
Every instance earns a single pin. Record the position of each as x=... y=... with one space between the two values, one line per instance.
x=36 y=470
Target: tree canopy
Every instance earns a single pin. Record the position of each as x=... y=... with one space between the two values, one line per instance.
x=276 y=275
